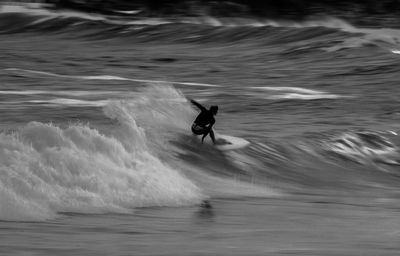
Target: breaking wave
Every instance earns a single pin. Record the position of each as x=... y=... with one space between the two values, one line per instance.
x=323 y=33
x=144 y=159
x=47 y=169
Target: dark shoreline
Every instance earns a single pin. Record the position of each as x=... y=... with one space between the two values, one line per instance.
x=265 y=8
x=360 y=13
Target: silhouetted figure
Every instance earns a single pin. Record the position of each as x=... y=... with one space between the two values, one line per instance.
x=206 y=204
x=204 y=121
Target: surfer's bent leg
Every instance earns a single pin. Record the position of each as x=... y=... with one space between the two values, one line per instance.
x=204 y=136
x=212 y=135
x=197 y=130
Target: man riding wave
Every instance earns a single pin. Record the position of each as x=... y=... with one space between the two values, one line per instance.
x=204 y=121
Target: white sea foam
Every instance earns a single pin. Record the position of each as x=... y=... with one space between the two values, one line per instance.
x=290 y=89
x=149 y=21
x=38 y=10
x=383 y=37
x=46 y=169
x=71 y=102
x=356 y=147
x=108 y=77
x=45 y=14
x=131 y=12
x=295 y=93
x=62 y=92
x=292 y=96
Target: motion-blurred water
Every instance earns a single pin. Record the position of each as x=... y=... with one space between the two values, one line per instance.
x=97 y=157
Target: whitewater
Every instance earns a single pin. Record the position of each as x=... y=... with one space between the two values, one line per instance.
x=97 y=156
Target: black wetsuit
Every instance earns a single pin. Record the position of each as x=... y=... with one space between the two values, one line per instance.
x=205 y=118
x=204 y=122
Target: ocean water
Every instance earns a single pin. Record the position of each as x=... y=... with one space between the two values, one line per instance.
x=97 y=157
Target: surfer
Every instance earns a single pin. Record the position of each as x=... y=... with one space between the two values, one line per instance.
x=204 y=121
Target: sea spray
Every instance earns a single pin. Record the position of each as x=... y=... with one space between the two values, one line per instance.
x=46 y=169
x=164 y=115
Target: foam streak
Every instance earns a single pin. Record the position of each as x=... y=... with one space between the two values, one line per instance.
x=108 y=77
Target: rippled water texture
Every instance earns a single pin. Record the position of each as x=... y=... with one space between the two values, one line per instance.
x=97 y=158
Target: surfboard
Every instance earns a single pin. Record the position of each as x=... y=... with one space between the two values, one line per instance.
x=227 y=142
x=224 y=142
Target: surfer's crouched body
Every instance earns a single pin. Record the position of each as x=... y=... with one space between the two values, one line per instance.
x=204 y=121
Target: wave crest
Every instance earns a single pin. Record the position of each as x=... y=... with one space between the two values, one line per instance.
x=46 y=169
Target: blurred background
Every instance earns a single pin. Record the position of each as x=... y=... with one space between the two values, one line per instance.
x=97 y=155
x=294 y=9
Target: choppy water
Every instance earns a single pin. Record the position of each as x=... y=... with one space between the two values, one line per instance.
x=96 y=154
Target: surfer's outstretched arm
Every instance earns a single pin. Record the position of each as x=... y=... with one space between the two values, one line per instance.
x=201 y=107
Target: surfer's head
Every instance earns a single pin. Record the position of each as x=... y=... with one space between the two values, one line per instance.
x=214 y=110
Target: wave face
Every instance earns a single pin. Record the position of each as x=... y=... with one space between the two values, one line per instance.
x=144 y=159
x=147 y=160
x=322 y=33
x=286 y=8
x=95 y=119
x=47 y=169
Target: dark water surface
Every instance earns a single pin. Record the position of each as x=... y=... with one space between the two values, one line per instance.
x=96 y=156
x=245 y=227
